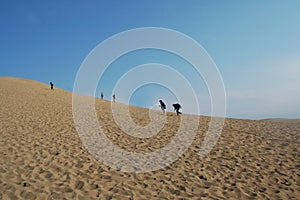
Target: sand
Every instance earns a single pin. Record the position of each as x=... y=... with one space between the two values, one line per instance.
x=42 y=156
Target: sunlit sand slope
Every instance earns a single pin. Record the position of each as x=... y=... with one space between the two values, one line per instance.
x=42 y=156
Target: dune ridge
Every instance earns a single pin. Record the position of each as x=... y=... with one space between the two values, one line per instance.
x=42 y=156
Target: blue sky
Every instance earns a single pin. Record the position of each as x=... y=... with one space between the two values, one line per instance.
x=255 y=44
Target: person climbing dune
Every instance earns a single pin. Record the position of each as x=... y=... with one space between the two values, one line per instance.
x=162 y=105
x=177 y=106
x=51 y=86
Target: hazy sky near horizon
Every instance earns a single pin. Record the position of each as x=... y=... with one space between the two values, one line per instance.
x=255 y=45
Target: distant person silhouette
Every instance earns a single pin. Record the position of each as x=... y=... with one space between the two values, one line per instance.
x=177 y=106
x=101 y=95
x=114 y=98
x=162 y=105
x=51 y=86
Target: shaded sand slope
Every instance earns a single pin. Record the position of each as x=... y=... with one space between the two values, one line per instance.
x=42 y=156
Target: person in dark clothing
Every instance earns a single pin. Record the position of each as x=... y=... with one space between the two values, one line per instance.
x=101 y=95
x=51 y=86
x=162 y=105
x=114 y=98
x=177 y=106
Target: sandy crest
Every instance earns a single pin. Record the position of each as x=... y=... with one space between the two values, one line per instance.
x=42 y=156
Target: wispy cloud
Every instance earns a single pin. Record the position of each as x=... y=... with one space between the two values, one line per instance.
x=277 y=96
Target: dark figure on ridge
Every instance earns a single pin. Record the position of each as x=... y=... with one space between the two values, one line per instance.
x=177 y=106
x=51 y=85
x=114 y=98
x=101 y=95
x=162 y=105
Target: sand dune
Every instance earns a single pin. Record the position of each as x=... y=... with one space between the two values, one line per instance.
x=281 y=120
x=42 y=156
